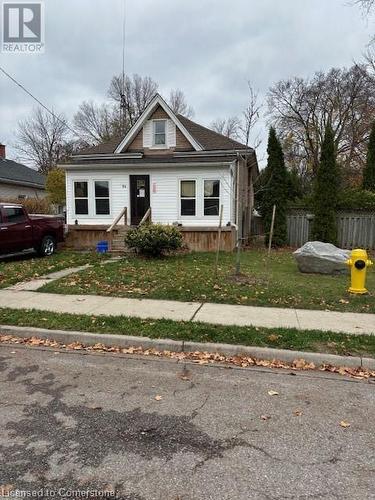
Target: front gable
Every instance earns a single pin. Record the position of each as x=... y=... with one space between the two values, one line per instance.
x=143 y=141
x=158 y=131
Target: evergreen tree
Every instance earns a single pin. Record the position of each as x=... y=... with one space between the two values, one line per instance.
x=369 y=170
x=275 y=191
x=326 y=190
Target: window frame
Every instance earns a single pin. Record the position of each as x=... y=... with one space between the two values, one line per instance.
x=81 y=198
x=102 y=197
x=10 y=221
x=180 y=181
x=211 y=197
x=154 y=133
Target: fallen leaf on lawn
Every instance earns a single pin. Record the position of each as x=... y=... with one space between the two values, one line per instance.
x=297 y=413
x=265 y=417
x=158 y=398
x=343 y=301
x=344 y=424
x=273 y=393
x=273 y=337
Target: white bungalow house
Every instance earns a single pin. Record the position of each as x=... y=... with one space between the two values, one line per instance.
x=182 y=171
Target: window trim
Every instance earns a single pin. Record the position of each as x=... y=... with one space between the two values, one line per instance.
x=102 y=197
x=212 y=198
x=159 y=146
x=81 y=198
x=180 y=181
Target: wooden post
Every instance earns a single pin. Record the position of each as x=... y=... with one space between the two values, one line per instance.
x=218 y=239
x=271 y=231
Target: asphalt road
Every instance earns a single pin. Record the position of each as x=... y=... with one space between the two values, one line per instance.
x=74 y=422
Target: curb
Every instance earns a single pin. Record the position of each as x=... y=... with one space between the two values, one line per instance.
x=265 y=353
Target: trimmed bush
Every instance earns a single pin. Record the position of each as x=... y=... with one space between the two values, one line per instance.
x=154 y=239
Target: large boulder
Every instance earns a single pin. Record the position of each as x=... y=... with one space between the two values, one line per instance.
x=322 y=258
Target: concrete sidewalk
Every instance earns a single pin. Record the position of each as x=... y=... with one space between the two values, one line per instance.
x=218 y=314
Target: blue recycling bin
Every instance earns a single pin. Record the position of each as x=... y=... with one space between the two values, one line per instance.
x=102 y=247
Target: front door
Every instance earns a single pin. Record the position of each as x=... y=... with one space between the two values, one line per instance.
x=139 y=197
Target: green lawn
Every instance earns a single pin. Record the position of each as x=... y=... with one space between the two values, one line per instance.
x=282 y=338
x=16 y=269
x=274 y=282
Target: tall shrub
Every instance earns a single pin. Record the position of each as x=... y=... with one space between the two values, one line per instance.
x=369 y=170
x=275 y=191
x=326 y=192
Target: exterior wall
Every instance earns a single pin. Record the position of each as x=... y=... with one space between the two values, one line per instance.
x=164 y=194
x=12 y=191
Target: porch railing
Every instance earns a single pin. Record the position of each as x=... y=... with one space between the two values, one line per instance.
x=147 y=216
x=123 y=213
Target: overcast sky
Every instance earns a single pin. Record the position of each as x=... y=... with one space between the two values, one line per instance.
x=208 y=48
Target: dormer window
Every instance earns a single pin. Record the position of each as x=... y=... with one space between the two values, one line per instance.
x=160 y=132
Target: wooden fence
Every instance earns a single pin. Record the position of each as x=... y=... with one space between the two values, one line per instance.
x=356 y=229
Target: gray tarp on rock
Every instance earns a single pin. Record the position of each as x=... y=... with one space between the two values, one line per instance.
x=322 y=258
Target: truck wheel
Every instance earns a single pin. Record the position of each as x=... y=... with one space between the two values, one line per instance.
x=47 y=247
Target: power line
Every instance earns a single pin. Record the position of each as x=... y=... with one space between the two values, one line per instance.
x=37 y=100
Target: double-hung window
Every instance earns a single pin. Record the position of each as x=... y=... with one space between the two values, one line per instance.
x=188 y=198
x=102 y=206
x=81 y=199
x=160 y=132
x=211 y=197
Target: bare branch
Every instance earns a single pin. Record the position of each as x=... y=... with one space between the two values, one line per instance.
x=177 y=102
x=43 y=139
x=230 y=127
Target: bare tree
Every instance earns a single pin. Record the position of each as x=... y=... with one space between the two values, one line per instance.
x=131 y=94
x=230 y=127
x=367 y=5
x=178 y=104
x=241 y=128
x=95 y=123
x=250 y=118
x=302 y=108
x=43 y=140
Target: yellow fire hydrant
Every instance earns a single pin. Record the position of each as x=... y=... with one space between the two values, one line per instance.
x=358 y=262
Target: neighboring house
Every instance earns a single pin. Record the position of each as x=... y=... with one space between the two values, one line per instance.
x=17 y=181
x=183 y=171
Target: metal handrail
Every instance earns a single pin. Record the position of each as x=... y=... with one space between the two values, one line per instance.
x=123 y=213
x=146 y=216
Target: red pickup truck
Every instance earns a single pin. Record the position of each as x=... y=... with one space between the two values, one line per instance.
x=20 y=231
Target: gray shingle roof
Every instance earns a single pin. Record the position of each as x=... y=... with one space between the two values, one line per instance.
x=20 y=174
x=207 y=138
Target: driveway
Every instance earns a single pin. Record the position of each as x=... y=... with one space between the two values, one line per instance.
x=158 y=429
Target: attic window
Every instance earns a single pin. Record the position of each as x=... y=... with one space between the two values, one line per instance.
x=159 y=132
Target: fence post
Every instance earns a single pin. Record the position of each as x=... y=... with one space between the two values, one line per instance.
x=218 y=240
x=271 y=231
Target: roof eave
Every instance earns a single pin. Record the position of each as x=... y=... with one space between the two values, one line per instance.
x=4 y=180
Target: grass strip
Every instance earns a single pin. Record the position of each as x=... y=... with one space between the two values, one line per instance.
x=280 y=338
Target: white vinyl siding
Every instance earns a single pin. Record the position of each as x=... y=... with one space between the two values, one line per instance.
x=13 y=191
x=164 y=194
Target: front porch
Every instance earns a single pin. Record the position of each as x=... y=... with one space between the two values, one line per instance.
x=198 y=239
